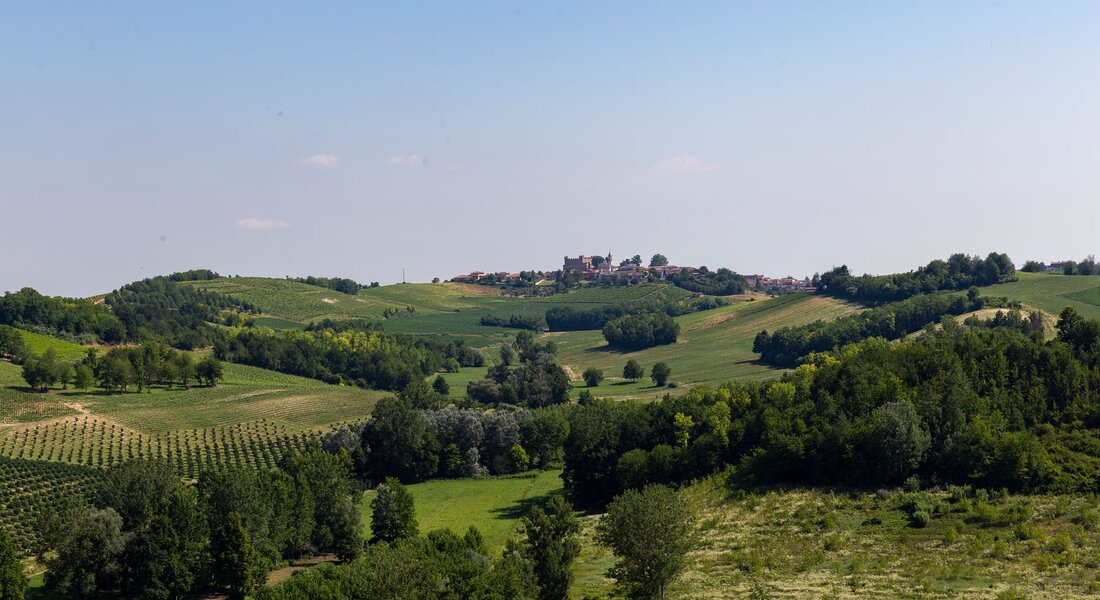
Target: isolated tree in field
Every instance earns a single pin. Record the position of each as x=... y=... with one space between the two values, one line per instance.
x=393 y=515
x=13 y=583
x=650 y=532
x=241 y=564
x=658 y=260
x=633 y=371
x=660 y=373
x=209 y=371
x=552 y=546
x=441 y=386
x=592 y=376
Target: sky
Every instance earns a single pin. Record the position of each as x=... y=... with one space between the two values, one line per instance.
x=358 y=139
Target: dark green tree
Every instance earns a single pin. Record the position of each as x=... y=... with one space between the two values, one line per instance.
x=393 y=516
x=633 y=371
x=650 y=532
x=241 y=566
x=83 y=377
x=13 y=581
x=660 y=374
x=592 y=376
x=209 y=370
x=658 y=260
x=552 y=546
x=441 y=386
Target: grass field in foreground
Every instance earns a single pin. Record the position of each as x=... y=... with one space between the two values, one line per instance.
x=494 y=504
x=1052 y=293
x=714 y=345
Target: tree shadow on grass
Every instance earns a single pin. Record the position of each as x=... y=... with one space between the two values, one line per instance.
x=524 y=506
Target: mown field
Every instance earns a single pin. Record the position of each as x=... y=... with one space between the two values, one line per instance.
x=1052 y=293
x=714 y=346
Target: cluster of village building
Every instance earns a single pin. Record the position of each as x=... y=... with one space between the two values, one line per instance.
x=600 y=268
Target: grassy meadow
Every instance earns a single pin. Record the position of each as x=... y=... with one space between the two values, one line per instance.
x=494 y=504
x=714 y=345
x=1051 y=292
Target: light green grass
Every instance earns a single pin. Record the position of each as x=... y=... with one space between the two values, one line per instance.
x=494 y=505
x=1052 y=293
x=458 y=381
x=301 y=303
x=66 y=351
x=714 y=346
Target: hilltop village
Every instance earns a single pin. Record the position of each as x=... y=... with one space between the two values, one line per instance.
x=632 y=270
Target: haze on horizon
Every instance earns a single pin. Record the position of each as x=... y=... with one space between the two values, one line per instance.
x=355 y=140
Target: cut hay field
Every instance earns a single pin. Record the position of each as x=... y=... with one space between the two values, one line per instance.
x=1052 y=293
x=714 y=346
x=494 y=504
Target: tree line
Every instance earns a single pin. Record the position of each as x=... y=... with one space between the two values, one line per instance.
x=147 y=534
x=788 y=346
x=644 y=330
x=118 y=369
x=528 y=374
x=571 y=318
x=991 y=407
x=958 y=272
x=352 y=353
x=160 y=308
x=529 y=322
x=338 y=284
x=1087 y=266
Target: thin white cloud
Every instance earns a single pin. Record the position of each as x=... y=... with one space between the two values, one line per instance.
x=325 y=161
x=411 y=160
x=254 y=224
x=685 y=163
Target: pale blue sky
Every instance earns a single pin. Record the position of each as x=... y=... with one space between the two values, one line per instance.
x=355 y=139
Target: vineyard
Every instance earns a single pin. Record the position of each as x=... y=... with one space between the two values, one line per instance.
x=96 y=442
x=31 y=488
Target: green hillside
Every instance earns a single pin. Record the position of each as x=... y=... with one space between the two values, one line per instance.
x=714 y=346
x=1052 y=293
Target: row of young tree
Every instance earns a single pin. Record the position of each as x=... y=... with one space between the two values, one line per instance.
x=990 y=407
x=352 y=353
x=119 y=369
x=958 y=272
x=147 y=534
x=788 y=346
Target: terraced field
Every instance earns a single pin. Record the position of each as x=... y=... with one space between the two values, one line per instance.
x=714 y=346
x=1052 y=293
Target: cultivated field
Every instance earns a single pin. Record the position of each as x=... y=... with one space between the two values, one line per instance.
x=1052 y=293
